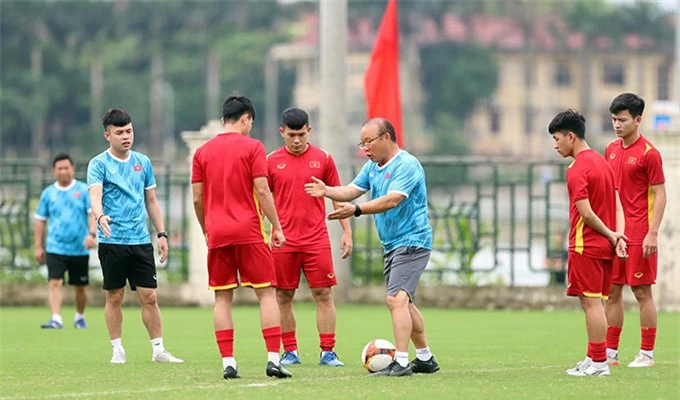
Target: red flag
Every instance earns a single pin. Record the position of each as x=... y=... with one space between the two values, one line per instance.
x=381 y=82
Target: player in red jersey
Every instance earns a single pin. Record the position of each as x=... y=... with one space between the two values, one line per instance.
x=596 y=221
x=230 y=190
x=639 y=174
x=303 y=218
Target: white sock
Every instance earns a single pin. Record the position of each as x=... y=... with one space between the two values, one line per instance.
x=157 y=346
x=588 y=360
x=228 y=362
x=402 y=358
x=599 y=365
x=648 y=353
x=273 y=357
x=294 y=352
x=57 y=317
x=423 y=354
x=612 y=353
x=79 y=316
x=117 y=343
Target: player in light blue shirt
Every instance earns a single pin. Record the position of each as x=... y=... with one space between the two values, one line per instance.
x=399 y=201
x=123 y=190
x=64 y=209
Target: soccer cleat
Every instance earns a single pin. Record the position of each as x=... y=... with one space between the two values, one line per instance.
x=331 y=359
x=231 y=373
x=52 y=324
x=419 y=366
x=277 y=371
x=166 y=357
x=642 y=361
x=119 y=356
x=613 y=361
x=590 y=370
x=394 y=369
x=80 y=323
x=581 y=365
x=289 y=358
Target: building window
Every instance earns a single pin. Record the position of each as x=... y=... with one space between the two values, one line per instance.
x=528 y=120
x=607 y=122
x=494 y=118
x=613 y=73
x=562 y=75
x=662 y=82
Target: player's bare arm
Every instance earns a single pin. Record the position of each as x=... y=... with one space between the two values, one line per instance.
x=39 y=238
x=89 y=240
x=197 y=192
x=317 y=188
x=266 y=199
x=154 y=210
x=621 y=245
x=594 y=222
x=650 y=243
x=375 y=206
x=346 y=243
x=96 y=193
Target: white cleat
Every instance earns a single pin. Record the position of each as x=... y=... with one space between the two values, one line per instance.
x=119 y=356
x=641 y=361
x=591 y=371
x=581 y=365
x=166 y=357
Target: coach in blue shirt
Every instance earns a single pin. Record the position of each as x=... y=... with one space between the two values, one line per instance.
x=65 y=208
x=396 y=181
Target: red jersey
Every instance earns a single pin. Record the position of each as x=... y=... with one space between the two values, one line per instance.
x=303 y=217
x=227 y=165
x=636 y=168
x=590 y=177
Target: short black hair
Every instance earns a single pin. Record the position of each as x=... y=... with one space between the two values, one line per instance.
x=116 y=117
x=61 y=156
x=384 y=126
x=235 y=106
x=627 y=101
x=294 y=118
x=568 y=121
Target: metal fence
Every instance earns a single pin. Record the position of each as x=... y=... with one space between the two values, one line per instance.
x=495 y=222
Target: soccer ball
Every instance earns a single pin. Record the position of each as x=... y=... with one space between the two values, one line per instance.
x=377 y=355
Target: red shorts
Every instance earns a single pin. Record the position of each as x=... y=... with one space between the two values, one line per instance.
x=636 y=269
x=588 y=277
x=252 y=262
x=316 y=264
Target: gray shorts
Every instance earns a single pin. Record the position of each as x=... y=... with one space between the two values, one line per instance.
x=403 y=268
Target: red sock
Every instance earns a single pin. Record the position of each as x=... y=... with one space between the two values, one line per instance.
x=289 y=341
x=599 y=351
x=648 y=338
x=326 y=341
x=272 y=338
x=613 y=335
x=225 y=342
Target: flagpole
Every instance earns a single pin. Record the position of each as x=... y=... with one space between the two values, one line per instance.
x=332 y=132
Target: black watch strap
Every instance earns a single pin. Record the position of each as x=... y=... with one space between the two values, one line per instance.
x=162 y=234
x=357 y=210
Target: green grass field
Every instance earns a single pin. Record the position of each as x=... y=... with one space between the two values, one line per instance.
x=483 y=355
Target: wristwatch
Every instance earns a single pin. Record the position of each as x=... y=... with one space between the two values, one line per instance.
x=93 y=234
x=162 y=234
x=357 y=210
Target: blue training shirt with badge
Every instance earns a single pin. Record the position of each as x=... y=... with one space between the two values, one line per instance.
x=66 y=211
x=124 y=184
x=407 y=224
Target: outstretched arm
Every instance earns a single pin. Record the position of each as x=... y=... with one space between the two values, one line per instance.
x=338 y=193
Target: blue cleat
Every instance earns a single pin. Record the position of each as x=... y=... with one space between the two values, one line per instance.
x=80 y=324
x=52 y=324
x=331 y=359
x=289 y=358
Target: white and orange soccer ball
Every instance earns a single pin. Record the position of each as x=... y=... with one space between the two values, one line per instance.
x=377 y=354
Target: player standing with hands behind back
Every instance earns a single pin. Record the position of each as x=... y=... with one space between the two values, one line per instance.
x=639 y=174
x=122 y=191
x=596 y=221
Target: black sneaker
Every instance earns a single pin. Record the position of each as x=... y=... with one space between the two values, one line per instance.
x=231 y=373
x=277 y=371
x=394 y=369
x=424 y=367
